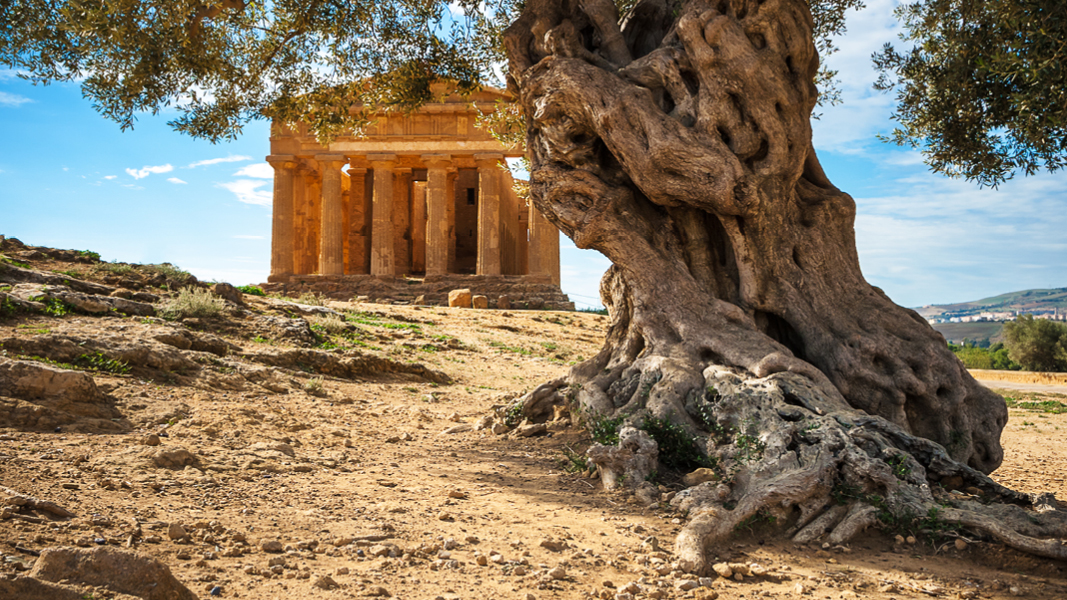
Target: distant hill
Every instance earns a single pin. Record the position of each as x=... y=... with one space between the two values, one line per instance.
x=1025 y=301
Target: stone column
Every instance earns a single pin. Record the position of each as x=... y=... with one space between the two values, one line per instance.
x=488 y=213
x=313 y=196
x=402 y=220
x=281 y=237
x=544 y=246
x=331 y=238
x=437 y=213
x=357 y=236
x=301 y=223
x=450 y=210
x=381 y=258
x=418 y=226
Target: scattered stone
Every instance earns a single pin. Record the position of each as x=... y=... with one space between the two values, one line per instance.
x=960 y=544
x=271 y=546
x=723 y=570
x=480 y=302
x=503 y=303
x=531 y=430
x=481 y=560
x=460 y=298
x=150 y=440
x=378 y=592
x=228 y=292
x=406 y=437
x=518 y=571
x=458 y=494
x=499 y=429
x=608 y=583
x=553 y=545
x=700 y=476
x=176 y=532
x=686 y=584
x=216 y=591
x=325 y=582
x=342 y=571
x=557 y=573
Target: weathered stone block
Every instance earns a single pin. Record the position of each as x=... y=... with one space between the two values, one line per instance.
x=460 y=298
x=480 y=302
x=503 y=303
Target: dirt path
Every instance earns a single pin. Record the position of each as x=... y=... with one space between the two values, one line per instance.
x=365 y=494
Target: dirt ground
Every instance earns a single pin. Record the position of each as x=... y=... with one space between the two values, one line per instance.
x=368 y=493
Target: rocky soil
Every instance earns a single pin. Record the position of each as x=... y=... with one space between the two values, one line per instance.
x=285 y=449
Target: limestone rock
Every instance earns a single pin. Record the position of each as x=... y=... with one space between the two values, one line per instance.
x=634 y=458
x=174 y=457
x=503 y=303
x=121 y=571
x=271 y=546
x=460 y=298
x=176 y=532
x=325 y=582
x=700 y=476
x=531 y=430
x=480 y=302
x=26 y=588
x=228 y=292
x=34 y=395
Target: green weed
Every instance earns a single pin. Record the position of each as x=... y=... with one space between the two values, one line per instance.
x=573 y=462
x=251 y=290
x=604 y=429
x=677 y=448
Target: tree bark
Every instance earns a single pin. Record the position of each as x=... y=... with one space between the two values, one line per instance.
x=678 y=144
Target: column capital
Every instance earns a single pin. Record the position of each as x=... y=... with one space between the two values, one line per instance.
x=402 y=170
x=488 y=158
x=357 y=171
x=282 y=161
x=330 y=159
x=437 y=161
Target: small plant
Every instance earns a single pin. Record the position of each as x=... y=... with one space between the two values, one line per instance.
x=899 y=464
x=310 y=299
x=513 y=416
x=115 y=268
x=573 y=462
x=328 y=324
x=192 y=303
x=251 y=290
x=94 y=256
x=749 y=446
x=97 y=361
x=8 y=308
x=14 y=262
x=603 y=429
x=677 y=448
x=54 y=306
x=170 y=272
x=260 y=340
x=313 y=386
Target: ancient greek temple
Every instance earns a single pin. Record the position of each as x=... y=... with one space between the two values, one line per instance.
x=424 y=197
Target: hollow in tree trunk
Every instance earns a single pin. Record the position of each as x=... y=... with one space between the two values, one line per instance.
x=678 y=144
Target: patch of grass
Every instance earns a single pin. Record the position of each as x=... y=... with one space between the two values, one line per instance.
x=115 y=268
x=54 y=306
x=69 y=273
x=33 y=330
x=749 y=446
x=515 y=349
x=1036 y=404
x=333 y=324
x=261 y=340
x=677 y=448
x=8 y=308
x=603 y=429
x=89 y=254
x=192 y=302
x=97 y=361
x=313 y=385
x=513 y=416
x=170 y=271
x=550 y=346
x=14 y=262
x=251 y=290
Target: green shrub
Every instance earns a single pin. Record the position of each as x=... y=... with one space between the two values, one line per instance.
x=99 y=362
x=677 y=449
x=192 y=302
x=1037 y=344
x=90 y=254
x=170 y=272
x=251 y=290
x=115 y=268
x=993 y=357
x=604 y=430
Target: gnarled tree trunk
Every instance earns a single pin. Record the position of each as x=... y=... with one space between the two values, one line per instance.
x=679 y=145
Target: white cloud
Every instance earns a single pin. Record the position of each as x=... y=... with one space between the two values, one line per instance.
x=248 y=237
x=15 y=100
x=215 y=161
x=258 y=170
x=110 y=176
x=148 y=170
x=176 y=180
x=247 y=191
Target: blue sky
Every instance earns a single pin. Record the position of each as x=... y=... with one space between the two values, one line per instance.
x=71 y=179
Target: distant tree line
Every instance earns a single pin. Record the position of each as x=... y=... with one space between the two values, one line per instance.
x=1030 y=344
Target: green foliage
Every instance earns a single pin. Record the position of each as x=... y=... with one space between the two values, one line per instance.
x=899 y=464
x=603 y=429
x=11 y=261
x=115 y=268
x=677 y=448
x=1036 y=404
x=513 y=416
x=169 y=271
x=514 y=349
x=93 y=256
x=96 y=361
x=54 y=306
x=749 y=446
x=982 y=91
x=595 y=311
x=1037 y=344
x=8 y=308
x=251 y=290
x=573 y=462
x=995 y=356
x=192 y=302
